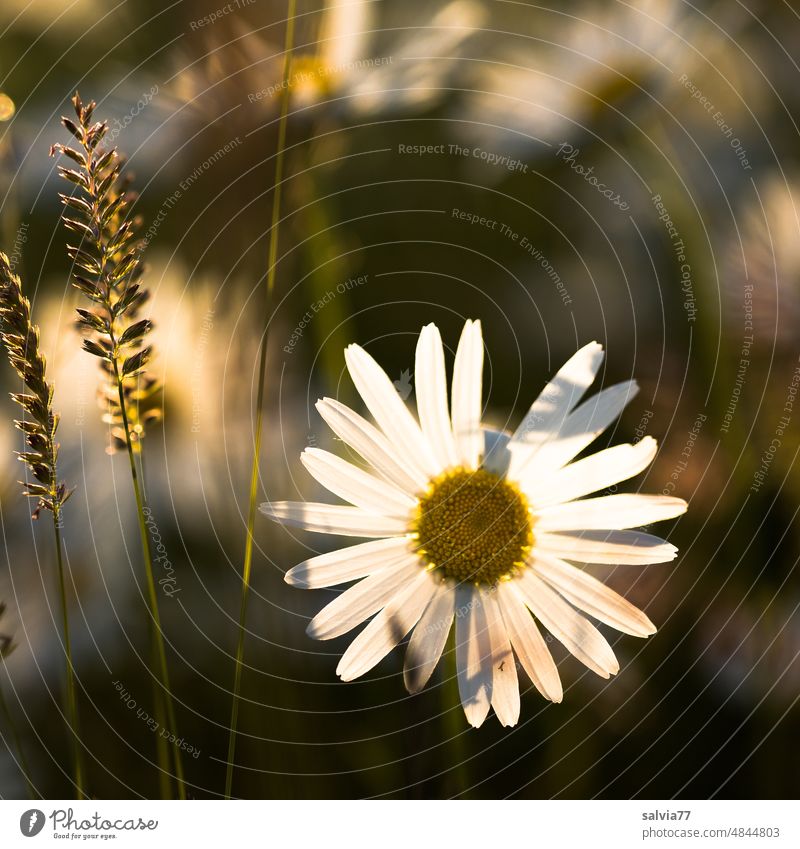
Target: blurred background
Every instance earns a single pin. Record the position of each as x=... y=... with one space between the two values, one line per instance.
x=564 y=171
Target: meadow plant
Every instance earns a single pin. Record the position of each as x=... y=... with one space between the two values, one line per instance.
x=39 y=424
x=107 y=269
x=262 y=375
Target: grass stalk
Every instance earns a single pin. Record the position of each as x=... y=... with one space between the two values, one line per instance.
x=262 y=372
x=107 y=269
x=162 y=670
x=39 y=424
x=72 y=697
x=162 y=747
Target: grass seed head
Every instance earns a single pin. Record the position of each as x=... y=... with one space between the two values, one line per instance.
x=107 y=269
x=39 y=423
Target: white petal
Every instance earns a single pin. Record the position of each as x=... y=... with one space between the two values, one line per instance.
x=423 y=61
x=437 y=36
x=609 y=512
x=559 y=397
x=600 y=470
x=580 y=429
x=344 y=33
x=467 y=392
x=505 y=685
x=528 y=643
x=431 y=391
x=357 y=486
x=576 y=632
x=592 y=596
x=346 y=564
x=358 y=603
x=389 y=410
x=428 y=640
x=473 y=655
x=388 y=628
x=372 y=445
x=624 y=547
x=333 y=519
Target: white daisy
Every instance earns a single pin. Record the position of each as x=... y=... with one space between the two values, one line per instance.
x=476 y=527
x=414 y=71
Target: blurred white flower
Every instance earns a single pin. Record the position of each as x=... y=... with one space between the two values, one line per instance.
x=354 y=70
x=411 y=72
x=760 y=283
x=477 y=526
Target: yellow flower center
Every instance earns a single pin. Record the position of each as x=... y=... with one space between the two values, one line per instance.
x=473 y=526
x=310 y=79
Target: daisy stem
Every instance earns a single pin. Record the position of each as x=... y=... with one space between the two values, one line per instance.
x=157 y=635
x=454 y=721
x=22 y=761
x=262 y=372
x=72 y=698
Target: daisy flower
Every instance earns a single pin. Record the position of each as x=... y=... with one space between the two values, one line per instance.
x=414 y=71
x=476 y=527
x=360 y=68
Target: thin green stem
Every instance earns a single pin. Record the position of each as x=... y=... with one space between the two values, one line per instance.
x=22 y=761
x=454 y=723
x=262 y=372
x=161 y=671
x=110 y=229
x=162 y=747
x=72 y=697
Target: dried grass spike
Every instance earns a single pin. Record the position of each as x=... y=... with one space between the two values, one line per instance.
x=107 y=265
x=21 y=339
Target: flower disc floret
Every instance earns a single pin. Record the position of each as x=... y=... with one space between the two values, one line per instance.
x=473 y=526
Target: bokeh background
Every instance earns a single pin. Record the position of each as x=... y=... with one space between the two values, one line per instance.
x=639 y=161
